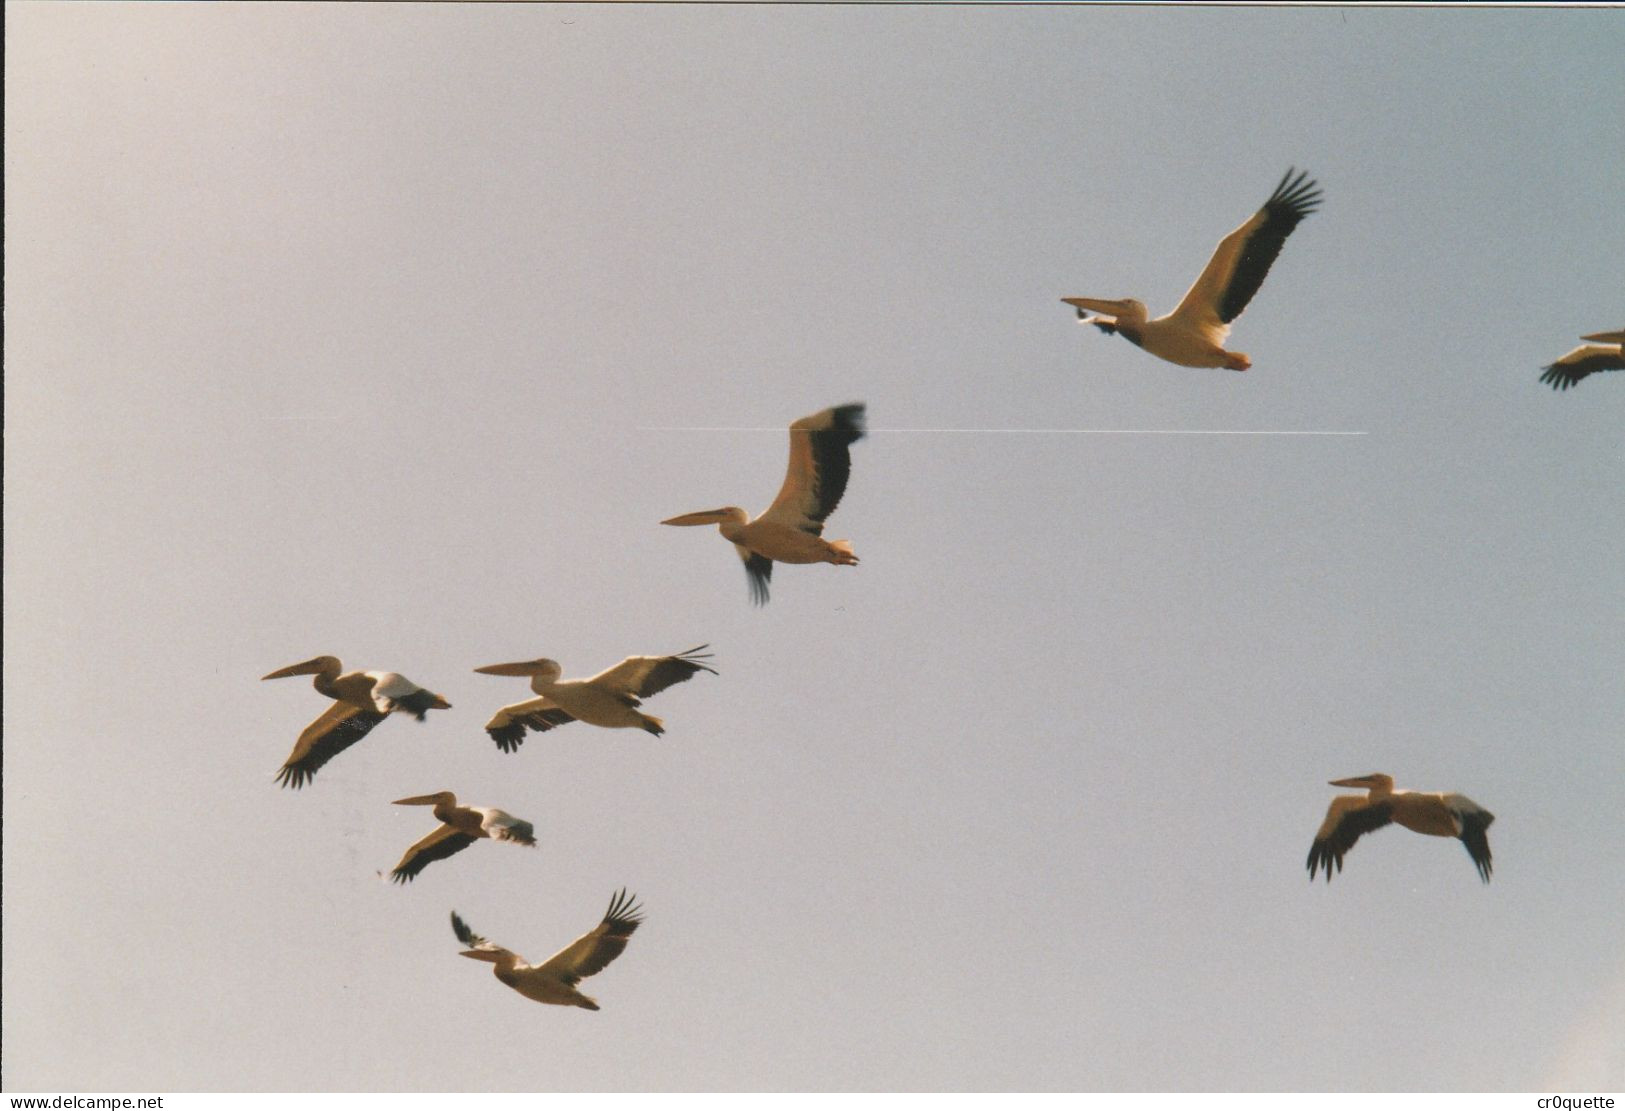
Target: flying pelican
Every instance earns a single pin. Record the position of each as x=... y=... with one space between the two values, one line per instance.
x=460 y=827
x=555 y=979
x=792 y=528
x=610 y=698
x=1194 y=333
x=361 y=699
x=1587 y=359
x=1441 y=815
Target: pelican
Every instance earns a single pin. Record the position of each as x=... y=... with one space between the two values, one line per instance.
x=555 y=979
x=460 y=827
x=610 y=698
x=1587 y=359
x=1425 y=812
x=361 y=699
x=792 y=528
x=1194 y=333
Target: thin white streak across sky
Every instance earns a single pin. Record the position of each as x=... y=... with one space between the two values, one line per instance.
x=1050 y=431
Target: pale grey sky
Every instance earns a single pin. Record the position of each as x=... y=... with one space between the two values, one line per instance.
x=344 y=329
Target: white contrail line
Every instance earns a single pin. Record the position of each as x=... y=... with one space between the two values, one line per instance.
x=1044 y=431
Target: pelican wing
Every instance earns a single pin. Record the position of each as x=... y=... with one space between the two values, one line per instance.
x=1581 y=362
x=499 y=825
x=642 y=676
x=392 y=692
x=1244 y=257
x=759 y=570
x=474 y=941
x=507 y=726
x=1474 y=821
x=340 y=726
x=592 y=951
x=820 y=461
x=443 y=842
x=1348 y=817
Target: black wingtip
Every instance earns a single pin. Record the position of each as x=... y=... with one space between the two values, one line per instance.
x=508 y=738
x=850 y=419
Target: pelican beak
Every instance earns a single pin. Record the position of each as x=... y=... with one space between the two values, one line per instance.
x=1606 y=337
x=704 y=517
x=1353 y=781
x=417 y=800
x=306 y=668
x=1095 y=304
x=478 y=955
x=519 y=669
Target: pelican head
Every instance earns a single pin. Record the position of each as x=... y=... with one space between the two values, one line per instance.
x=541 y=669
x=1607 y=337
x=1376 y=781
x=710 y=517
x=428 y=800
x=310 y=667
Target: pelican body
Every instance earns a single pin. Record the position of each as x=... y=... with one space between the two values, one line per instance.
x=1439 y=815
x=791 y=530
x=1607 y=353
x=1194 y=333
x=460 y=827
x=610 y=699
x=361 y=699
x=555 y=979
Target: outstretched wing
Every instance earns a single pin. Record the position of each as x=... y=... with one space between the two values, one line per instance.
x=1348 y=817
x=592 y=951
x=1475 y=823
x=820 y=462
x=1244 y=257
x=507 y=726
x=340 y=726
x=1581 y=362
x=474 y=941
x=642 y=676
x=443 y=842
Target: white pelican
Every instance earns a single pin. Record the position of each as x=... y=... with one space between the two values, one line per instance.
x=555 y=979
x=610 y=698
x=792 y=528
x=1439 y=814
x=1587 y=359
x=460 y=827
x=361 y=699
x=1194 y=333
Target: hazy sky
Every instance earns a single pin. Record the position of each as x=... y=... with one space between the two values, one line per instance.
x=384 y=331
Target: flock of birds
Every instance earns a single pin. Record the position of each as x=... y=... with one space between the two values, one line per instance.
x=791 y=531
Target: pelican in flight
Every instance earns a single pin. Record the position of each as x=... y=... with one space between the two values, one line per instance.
x=555 y=979
x=1425 y=812
x=361 y=699
x=610 y=698
x=792 y=528
x=460 y=827
x=1587 y=359
x=1194 y=333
